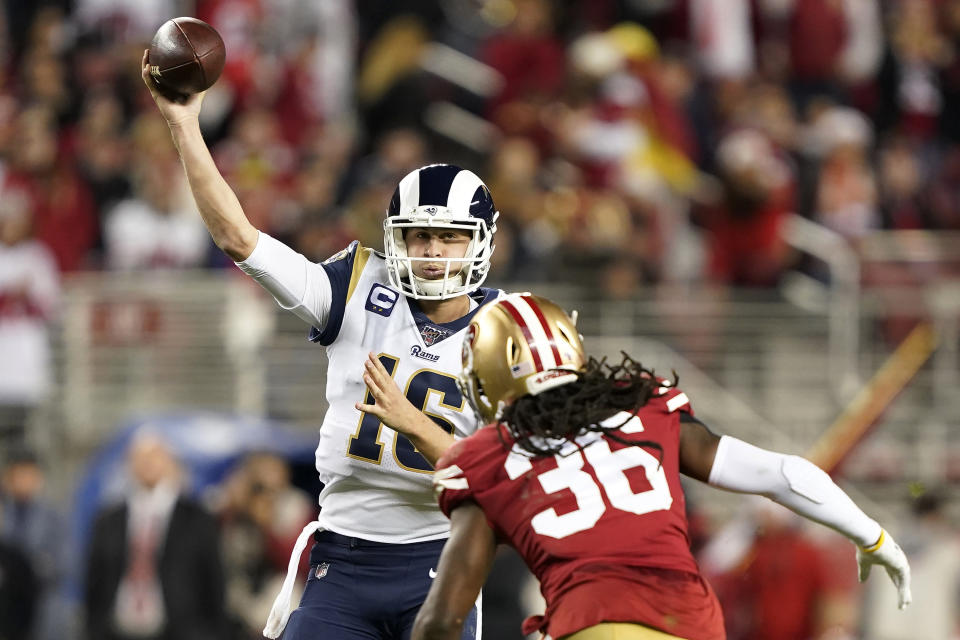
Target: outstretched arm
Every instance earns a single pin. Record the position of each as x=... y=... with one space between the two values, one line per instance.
x=799 y=485
x=219 y=207
x=464 y=565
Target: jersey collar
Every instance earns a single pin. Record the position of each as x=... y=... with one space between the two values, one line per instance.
x=434 y=332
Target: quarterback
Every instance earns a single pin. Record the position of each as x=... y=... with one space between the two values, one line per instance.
x=579 y=470
x=378 y=538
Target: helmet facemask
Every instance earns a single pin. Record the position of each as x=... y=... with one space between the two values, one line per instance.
x=461 y=275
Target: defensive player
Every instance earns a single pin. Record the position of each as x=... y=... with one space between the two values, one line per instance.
x=580 y=472
x=379 y=534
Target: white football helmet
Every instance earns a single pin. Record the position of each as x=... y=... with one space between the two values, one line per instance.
x=447 y=197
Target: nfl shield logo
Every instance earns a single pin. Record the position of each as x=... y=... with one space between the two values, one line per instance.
x=321 y=570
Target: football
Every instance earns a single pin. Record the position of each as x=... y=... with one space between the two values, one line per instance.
x=186 y=56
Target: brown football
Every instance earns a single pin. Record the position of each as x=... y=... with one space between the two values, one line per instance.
x=186 y=56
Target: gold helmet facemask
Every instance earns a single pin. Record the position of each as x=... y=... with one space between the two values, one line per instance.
x=521 y=344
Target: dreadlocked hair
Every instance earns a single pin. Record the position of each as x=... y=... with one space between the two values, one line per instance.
x=541 y=424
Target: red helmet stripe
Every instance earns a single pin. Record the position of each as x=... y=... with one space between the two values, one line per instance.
x=546 y=327
x=512 y=310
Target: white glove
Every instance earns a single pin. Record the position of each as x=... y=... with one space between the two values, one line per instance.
x=887 y=553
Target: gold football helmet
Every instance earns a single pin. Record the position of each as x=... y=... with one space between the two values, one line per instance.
x=520 y=344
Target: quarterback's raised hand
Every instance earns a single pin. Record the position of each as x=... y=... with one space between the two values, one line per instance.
x=175 y=110
x=887 y=553
x=395 y=411
x=218 y=204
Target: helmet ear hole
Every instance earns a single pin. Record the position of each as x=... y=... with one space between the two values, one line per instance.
x=477 y=397
x=513 y=351
x=571 y=338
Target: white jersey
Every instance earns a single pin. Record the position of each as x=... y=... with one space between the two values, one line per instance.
x=376 y=485
x=29 y=293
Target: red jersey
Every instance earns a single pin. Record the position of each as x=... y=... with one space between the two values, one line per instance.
x=602 y=524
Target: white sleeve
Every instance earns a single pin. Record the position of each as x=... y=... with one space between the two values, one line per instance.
x=794 y=482
x=298 y=285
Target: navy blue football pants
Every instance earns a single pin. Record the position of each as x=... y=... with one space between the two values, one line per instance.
x=363 y=590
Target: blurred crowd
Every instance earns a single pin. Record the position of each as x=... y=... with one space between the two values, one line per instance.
x=626 y=143
x=647 y=141
x=163 y=559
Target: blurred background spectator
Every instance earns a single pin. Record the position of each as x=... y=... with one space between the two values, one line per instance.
x=933 y=545
x=154 y=567
x=743 y=224
x=29 y=294
x=30 y=522
x=845 y=197
x=42 y=170
x=159 y=227
x=780 y=582
x=18 y=593
x=261 y=515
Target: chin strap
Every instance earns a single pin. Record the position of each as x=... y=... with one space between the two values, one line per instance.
x=436 y=287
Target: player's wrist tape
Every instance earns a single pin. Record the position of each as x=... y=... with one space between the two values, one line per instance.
x=876 y=545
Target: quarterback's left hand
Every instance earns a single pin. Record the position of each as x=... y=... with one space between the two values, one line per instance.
x=887 y=553
x=389 y=404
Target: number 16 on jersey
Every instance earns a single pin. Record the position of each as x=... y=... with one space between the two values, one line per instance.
x=365 y=443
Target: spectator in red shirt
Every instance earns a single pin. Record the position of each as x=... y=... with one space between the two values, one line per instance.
x=784 y=587
x=65 y=218
x=743 y=226
x=817 y=36
x=528 y=55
